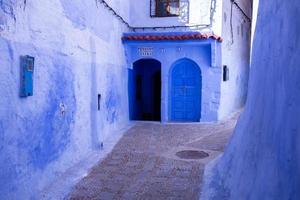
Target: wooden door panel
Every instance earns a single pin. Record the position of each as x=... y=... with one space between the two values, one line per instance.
x=186 y=92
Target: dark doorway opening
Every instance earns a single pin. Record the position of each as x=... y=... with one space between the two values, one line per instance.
x=145 y=90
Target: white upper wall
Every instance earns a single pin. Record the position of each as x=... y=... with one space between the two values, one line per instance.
x=236 y=30
x=193 y=12
x=254 y=19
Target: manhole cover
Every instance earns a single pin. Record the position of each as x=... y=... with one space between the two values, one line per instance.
x=192 y=154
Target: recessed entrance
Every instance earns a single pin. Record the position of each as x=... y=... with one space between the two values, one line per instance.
x=145 y=90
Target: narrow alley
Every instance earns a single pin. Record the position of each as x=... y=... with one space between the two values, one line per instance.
x=144 y=164
x=149 y=100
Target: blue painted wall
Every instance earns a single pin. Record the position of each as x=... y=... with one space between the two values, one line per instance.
x=44 y=135
x=262 y=160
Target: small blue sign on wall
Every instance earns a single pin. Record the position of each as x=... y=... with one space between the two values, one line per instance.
x=27 y=69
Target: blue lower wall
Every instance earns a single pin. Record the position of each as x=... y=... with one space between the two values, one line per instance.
x=43 y=135
x=34 y=131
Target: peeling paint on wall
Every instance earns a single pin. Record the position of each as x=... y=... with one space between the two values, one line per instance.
x=56 y=128
x=50 y=130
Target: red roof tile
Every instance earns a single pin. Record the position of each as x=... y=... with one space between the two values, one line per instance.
x=194 y=36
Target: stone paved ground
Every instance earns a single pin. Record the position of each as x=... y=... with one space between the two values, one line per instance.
x=143 y=164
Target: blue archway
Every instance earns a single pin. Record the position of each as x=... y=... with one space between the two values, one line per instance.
x=144 y=88
x=185 y=91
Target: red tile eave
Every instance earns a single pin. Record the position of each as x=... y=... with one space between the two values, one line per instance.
x=172 y=37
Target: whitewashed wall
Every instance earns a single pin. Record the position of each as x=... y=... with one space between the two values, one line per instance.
x=79 y=54
x=194 y=12
x=236 y=55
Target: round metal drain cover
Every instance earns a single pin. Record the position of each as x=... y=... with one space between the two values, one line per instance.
x=192 y=154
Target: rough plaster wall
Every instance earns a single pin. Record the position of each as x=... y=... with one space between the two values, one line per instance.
x=263 y=158
x=246 y=5
x=75 y=46
x=236 y=55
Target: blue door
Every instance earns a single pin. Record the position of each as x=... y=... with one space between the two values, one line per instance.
x=186 y=87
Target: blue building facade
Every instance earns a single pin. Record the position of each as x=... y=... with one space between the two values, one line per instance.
x=189 y=64
x=169 y=33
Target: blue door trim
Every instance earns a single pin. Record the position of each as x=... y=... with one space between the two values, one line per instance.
x=185 y=90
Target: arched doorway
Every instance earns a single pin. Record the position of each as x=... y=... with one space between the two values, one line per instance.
x=145 y=90
x=185 y=91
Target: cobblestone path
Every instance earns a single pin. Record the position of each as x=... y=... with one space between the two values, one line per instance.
x=143 y=164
